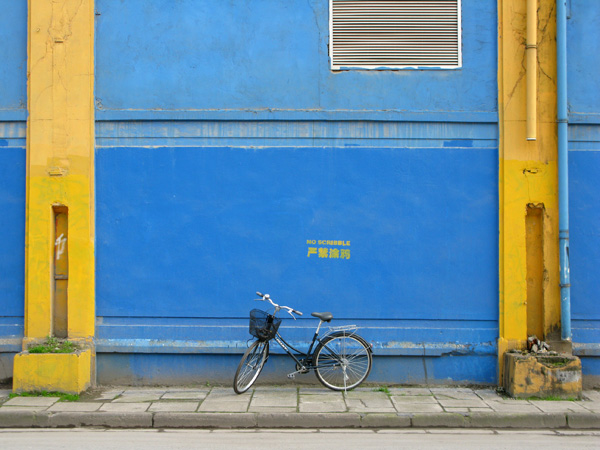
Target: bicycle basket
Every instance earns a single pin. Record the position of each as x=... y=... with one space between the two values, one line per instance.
x=263 y=325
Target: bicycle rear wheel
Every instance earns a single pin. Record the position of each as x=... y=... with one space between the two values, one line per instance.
x=250 y=366
x=342 y=361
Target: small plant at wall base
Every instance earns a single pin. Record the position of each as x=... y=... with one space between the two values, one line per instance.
x=62 y=396
x=54 y=345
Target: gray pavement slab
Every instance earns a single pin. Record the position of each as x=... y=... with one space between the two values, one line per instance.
x=185 y=395
x=418 y=408
x=514 y=407
x=287 y=398
x=174 y=406
x=304 y=407
x=75 y=406
x=125 y=407
x=215 y=405
x=5 y=393
x=324 y=403
x=463 y=403
x=322 y=407
x=369 y=402
x=591 y=395
x=24 y=408
x=557 y=406
x=108 y=395
x=31 y=401
x=409 y=399
x=137 y=397
x=410 y=391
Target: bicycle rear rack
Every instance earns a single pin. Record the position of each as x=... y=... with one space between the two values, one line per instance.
x=348 y=330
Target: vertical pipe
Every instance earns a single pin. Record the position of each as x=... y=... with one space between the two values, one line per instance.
x=531 y=53
x=563 y=168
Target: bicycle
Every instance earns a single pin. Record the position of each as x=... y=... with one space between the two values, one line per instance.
x=341 y=359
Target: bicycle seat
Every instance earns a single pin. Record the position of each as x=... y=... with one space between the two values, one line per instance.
x=324 y=316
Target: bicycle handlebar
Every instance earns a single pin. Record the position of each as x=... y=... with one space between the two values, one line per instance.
x=278 y=307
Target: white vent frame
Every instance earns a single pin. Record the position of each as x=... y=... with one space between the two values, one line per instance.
x=336 y=64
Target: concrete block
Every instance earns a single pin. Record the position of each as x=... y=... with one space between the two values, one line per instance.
x=382 y=420
x=578 y=420
x=516 y=420
x=17 y=419
x=100 y=419
x=62 y=372
x=542 y=376
x=439 y=420
x=204 y=420
x=272 y=409
x=309 y=420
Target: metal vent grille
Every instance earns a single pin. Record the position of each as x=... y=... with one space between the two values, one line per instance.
x=375 y=34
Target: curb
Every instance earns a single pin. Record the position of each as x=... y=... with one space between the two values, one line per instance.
x=31 y=419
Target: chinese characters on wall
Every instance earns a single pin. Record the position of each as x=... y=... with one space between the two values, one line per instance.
x=328 y=249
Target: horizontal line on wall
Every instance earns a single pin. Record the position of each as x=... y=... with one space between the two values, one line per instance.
x=296 y=114
x=13 y=115
x=589 y=349
x=238 y=347
x=295 y=134
x=292 y=143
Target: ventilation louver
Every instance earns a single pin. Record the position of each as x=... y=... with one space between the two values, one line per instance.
x=374 y=34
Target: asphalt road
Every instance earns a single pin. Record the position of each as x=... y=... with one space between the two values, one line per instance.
x=297 y=439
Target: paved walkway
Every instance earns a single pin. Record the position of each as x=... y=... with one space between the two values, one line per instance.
x=291 y=407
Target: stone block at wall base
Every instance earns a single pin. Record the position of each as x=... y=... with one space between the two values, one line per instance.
x=537 y=375
x=60 y=372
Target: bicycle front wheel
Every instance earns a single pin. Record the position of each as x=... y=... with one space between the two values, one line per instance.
x=342 y=361
x=250 y=366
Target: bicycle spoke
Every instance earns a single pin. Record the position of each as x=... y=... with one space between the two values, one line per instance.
x=342 y=362
x=250 y=366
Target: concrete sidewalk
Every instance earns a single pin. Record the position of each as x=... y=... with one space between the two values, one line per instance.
x=302 y=407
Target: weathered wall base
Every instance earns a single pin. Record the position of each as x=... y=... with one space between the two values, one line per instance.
x=177 y=369
x=66 y=372
x=6 y=367
x=542 y=376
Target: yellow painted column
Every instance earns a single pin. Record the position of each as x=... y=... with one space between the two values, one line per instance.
x=60 y=168
x=527 y=173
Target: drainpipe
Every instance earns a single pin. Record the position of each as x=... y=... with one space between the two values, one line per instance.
x=531 y=52
x=563 y=168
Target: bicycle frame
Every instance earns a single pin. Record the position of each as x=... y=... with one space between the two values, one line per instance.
x=316 y=339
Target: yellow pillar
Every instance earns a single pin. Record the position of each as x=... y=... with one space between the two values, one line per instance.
x=60 y=171
x=527 y=172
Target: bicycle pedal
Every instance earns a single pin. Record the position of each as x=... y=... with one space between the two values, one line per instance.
x=291 y=376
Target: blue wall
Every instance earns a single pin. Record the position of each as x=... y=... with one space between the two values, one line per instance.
x=584 y=167
x=270 y=54
x=13 y=95
x=225 y=144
